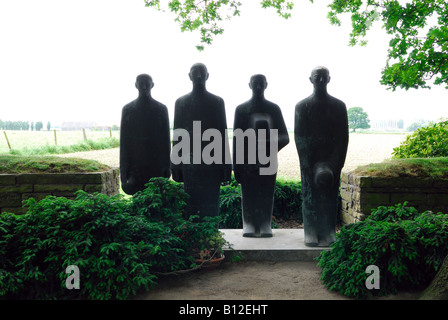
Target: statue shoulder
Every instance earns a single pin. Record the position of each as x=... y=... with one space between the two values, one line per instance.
x=216 y=98
x=128 y=107
x=183 y=99
x=273 y=106
x=243 y=108
x=160 y=105
x=302 y=104
x=338 y=103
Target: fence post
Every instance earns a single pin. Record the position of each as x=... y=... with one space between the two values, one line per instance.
x=7 y=140
x=110 y=131
x=84 y=133
x=55 y=138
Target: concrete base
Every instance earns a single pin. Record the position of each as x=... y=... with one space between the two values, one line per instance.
x=285 y=245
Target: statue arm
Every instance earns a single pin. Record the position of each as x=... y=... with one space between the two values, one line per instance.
x=341 y=138
x=167 y=142
x=176 y=169
x=227 y=167
x=301 y=140
x=283 y=136
x=125 y=154
x=236 y=167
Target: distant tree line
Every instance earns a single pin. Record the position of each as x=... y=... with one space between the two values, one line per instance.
x=23 y=125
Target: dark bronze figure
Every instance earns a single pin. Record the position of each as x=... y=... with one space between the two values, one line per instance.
x=321 y=137
x=254 y=153
x=203 y=161
x=144 y=139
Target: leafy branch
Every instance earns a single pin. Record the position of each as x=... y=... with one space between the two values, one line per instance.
x=413 y=58
x=206 y=16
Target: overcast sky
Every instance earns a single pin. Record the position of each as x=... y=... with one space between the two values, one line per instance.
x=66 y=60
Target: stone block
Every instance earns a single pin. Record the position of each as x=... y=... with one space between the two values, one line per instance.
x=438 y=200
x=7 y=179
x=57 y=187
x=18 y=188
x=60 y=178
x=413 y=199
x=91 y=188
x=10 y=200
x=346 y=195
x=362 y=182
x=346 y=218
x=344 y=178
x=375 y=198
x=36 y=196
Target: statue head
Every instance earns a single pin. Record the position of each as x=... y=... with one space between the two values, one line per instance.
x=258 y=83
x=144 y=84
x=320 y=76
x=198 y=74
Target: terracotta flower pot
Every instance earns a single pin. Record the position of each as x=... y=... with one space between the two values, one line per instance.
x=209 y=264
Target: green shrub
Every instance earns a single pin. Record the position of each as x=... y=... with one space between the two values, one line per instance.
x=230 y=207
x=120 y=245
x=287 y=200
x=287 y=203
x=426 y=142
x=408 y=248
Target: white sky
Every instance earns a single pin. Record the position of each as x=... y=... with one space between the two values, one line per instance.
x=66 y=60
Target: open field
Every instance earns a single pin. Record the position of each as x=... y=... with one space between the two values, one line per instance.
x=363 y=149
x=35 y=139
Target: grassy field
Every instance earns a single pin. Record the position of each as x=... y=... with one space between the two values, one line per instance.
x=363 y=149
x=35 y=139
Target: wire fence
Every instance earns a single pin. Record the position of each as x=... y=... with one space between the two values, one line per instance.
x=17 y=139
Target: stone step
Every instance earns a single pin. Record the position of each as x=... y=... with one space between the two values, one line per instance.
x=285 y=245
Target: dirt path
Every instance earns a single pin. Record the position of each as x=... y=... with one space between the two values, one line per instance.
x=252 y=280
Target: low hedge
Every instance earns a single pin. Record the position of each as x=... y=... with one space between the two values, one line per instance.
x=408 y=248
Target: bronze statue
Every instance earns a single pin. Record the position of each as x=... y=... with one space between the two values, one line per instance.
x=259 y=133
x=144 y=139
x=199 y=117
x=321 y=137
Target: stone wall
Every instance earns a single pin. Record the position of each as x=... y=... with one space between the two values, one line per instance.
x=361 y=194
x=15 y=188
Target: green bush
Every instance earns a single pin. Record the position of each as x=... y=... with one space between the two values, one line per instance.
x=287 y=200
x=287 y=203
x=408 y=248
x=120 y=245
x=427 y=142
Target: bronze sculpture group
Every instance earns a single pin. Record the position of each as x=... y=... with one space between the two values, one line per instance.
x=200 y=153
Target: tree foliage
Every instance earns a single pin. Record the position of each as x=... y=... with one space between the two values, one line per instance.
x=206 y=15
x=357 y=118
x=418 y=50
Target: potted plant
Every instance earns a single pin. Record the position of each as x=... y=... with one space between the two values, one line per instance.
x=206 y=243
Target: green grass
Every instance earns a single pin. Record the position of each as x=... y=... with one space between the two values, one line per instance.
x=87 y=145
x=15 y=164
x=409 y=167
x=35 y=142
